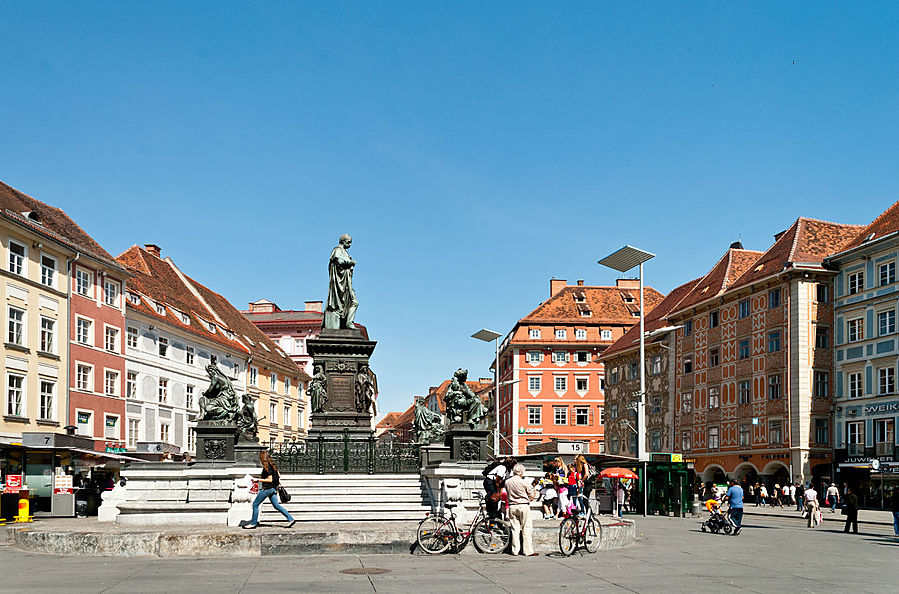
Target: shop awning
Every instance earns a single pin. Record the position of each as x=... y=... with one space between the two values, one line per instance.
x=107 y=455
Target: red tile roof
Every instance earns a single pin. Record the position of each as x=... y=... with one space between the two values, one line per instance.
x=655 y=320
x=886 y=223
x=53 y=222
x=388 y=420
x=606 y=305
x=730 y=267
x=158 y=280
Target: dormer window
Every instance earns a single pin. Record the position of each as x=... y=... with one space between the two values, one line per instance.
x=160 y=309
x=185 y=319
x=262 y=344
x=134 y=299
x=561 y=334
x=534 y=333
x=628 y=298
x=580 y=297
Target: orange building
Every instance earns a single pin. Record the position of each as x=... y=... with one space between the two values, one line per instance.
x=754 y=363
x=551 y=381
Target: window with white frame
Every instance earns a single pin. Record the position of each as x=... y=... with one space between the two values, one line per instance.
x=560 y=415
x=131 y=339
x=164 y=432
x=855 y=330
x=561 y=334
x=163 y=345
x=745 y=432
x=560 y=356
x=111 y=383
x=286 y=417
x=686 y=441
x=855 y=385
x=133 y=433
x=131 y=385
x=744 y=308
x=189 y=355
x=273 y=382
x=48 y=335
x=160 y=309
x=686 y=400
x=163 y=390
x=602 y=415
x=83 y=280
x=299 y=346
x=84 y=422
x=886 y=322
x=191 y=439
x=287 y=386
x=534 y=356
x=655 y=366
x=774 y=341
x=189 y=396
x=111 y=293
x=534 y=383
x=15 y=395
x=581 y=415
x=714 y=398
x=582 y=357
x=744 y=391
x=887 y=377
x=16 y=333
x=855 y=438
x=856 y=282
x=112 y=339
x=821 y=384
x=111 y=427
x=561 y=383
x=580 y=334
x=713 y=438
x=774 y=387
x=688 y=364
x=613 y=412
x=581 y=384
x=714 y=357
x=46 y=406
x=887 y=273
x=48 y=271
x=254 y=376
x=534 y=333
x=775 y=432
x=16 y=258
x=84 y=377
x=83 y=330
x=272 y=413
x=605 y=334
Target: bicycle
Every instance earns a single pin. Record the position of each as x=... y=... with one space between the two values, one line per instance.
x=576 y=530
x=438 y=532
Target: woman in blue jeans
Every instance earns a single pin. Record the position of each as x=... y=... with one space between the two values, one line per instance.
x=268 y=489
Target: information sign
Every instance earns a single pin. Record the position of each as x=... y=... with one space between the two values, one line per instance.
x=62 y=484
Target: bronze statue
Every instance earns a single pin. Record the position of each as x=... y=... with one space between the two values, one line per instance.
x=317 y=390
x=366 y=396
x=462 y=404
x=219 y=402
x=247 y=421
x=427 y=425
x=341 y=307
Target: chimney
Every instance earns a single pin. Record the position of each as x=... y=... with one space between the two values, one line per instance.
x=263 y=306
x=314 y=306
x=556 y=285
x=153 y=249
x=779 y=235
x=738 y=245
x=580 y=282
x=628 y=283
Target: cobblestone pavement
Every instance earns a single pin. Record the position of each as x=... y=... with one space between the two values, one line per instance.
x=672 y=555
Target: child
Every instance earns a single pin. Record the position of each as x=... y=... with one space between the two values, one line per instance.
x=574 y=479
x=548 y=494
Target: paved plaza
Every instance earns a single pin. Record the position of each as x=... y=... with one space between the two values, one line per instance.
x=773 y=554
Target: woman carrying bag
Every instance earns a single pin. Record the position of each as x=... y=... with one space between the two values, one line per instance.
x=269 y=481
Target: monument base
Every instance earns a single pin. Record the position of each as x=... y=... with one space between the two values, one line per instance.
x=215 y=443
x=466 y=444
x=333 y=424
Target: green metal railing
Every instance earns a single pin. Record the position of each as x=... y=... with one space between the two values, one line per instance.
x=346 y=455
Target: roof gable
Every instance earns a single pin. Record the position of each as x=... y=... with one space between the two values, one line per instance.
x=887 y=222
x=609 y=305
x=730 y=267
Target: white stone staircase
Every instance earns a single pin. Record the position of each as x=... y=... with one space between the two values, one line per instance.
x=351 y=498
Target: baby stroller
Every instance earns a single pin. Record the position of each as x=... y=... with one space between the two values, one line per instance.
x=718 y=521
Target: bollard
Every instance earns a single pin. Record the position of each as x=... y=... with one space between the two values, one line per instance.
x=23 y=516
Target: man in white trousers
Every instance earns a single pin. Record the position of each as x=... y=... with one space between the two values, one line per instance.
x=521 y=493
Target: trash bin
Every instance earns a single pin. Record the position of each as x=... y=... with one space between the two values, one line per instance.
x=80 y=508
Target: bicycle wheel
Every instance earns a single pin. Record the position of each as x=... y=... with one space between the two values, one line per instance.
x=491 y=536
x=568 y=536
x=435 y=535
x=593 y=535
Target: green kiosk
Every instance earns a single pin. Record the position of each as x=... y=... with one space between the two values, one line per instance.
x=668 y=479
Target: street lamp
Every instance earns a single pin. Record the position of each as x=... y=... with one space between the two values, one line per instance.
x=487 y=336
x=622 y=261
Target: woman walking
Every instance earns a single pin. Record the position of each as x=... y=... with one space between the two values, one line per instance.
x=268 y=481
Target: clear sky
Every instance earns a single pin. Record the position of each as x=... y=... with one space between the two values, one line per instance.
x=473 y=150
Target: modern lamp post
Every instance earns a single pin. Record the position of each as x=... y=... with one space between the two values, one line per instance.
x=622 y=261
x=487 y=336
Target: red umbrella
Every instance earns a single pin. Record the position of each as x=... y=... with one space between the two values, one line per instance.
x=620 y=473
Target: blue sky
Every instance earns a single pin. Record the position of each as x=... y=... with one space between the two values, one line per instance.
x=473 y=150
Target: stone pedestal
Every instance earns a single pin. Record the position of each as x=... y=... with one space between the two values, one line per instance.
x=433 y=454
x=246 y=452
x=465 y=444
x=215 y=443
x=341 y=355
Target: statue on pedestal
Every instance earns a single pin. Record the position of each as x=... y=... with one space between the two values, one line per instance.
x=366 y=396
x=462 y=404
x=427 y=425
x=340 y=310
x=218 y=403
x=317 y=390
x=247 y=421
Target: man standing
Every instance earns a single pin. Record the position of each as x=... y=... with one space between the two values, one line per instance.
x=894 y=504
x=734 y=498
x=521 y=493
x=811 y=505
x=851 y=512
x=800 y=499
x=792 y=494
x=340 y=310
x=833 y=497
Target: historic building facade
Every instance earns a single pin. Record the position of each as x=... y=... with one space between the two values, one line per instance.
x=551 y=380
x=622 y=387
x=754 y=369
x=867 y=359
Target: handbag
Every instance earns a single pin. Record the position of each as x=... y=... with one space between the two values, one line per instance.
x=283 y=495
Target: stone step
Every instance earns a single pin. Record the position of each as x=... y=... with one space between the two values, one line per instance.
x=320 y=489
x=373 y=505
x=354 y=498
x=347 y=516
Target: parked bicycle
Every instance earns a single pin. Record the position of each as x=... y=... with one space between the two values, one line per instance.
x=438 y=531
x=577 y=530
